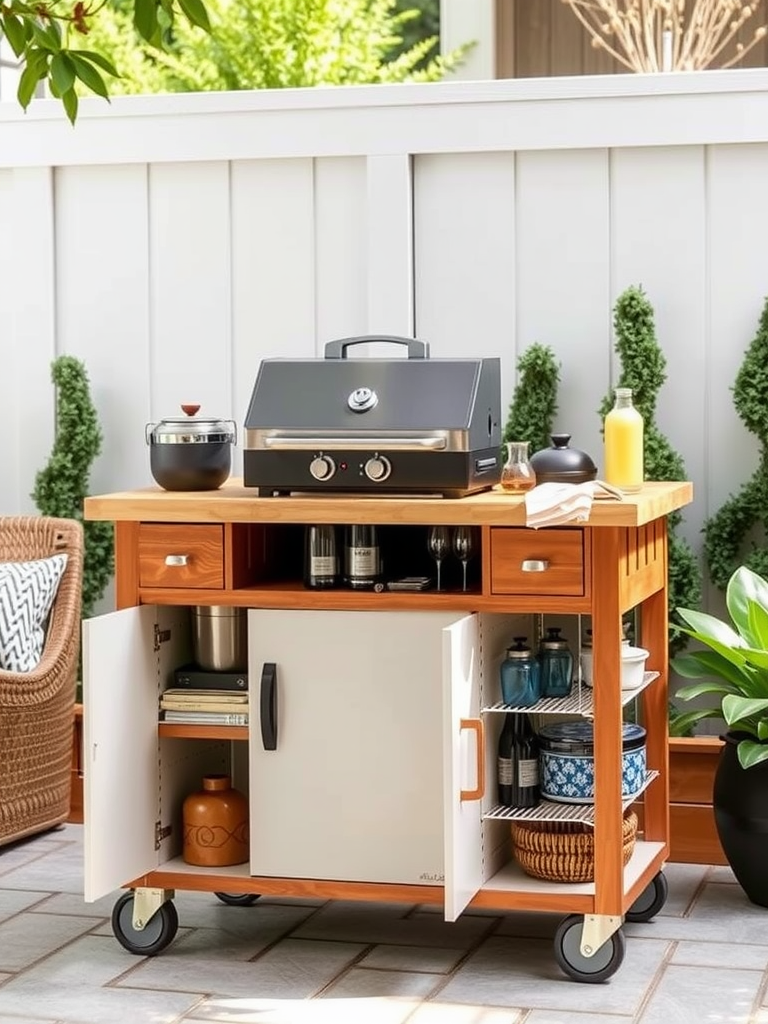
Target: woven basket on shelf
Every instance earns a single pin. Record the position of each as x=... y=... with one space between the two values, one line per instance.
x=563 y=851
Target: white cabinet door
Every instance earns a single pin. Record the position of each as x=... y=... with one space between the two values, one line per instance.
x=121 y=674
x=461 y=760
x=352 y=790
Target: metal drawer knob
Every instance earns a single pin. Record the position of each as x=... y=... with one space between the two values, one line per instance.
x=176 y=559
x=535 y=565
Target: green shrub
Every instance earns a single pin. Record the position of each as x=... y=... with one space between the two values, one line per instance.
x=731 y=537
x=534 y=399
x=643 y=368
x=62 y=485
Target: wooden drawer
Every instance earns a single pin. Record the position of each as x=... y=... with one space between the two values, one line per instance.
x=562 y=551
x=181 y=556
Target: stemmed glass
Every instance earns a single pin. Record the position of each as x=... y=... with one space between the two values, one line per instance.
x=439 y=546
x=464 y=547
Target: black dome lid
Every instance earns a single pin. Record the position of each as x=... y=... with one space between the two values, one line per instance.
x=562 y=464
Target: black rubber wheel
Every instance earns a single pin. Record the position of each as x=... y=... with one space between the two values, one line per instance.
x=237 y=899
x=159 y=932
x=592 y=969
x=650 y=901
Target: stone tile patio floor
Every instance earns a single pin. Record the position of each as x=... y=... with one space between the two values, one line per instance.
x=702 y=960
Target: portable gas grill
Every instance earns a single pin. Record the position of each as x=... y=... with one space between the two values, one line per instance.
x=368 y=425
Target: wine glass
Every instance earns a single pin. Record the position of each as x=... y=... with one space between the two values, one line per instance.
x=439 y=546
x=464 y=547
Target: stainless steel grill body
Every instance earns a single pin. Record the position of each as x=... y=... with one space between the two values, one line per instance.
x=370 y=425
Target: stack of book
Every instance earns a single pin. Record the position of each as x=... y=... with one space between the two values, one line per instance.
x=205 y=707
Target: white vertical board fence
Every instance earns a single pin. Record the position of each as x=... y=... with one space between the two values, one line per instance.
x=174 y=242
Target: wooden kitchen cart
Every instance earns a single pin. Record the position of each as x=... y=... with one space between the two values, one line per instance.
x=382 y=785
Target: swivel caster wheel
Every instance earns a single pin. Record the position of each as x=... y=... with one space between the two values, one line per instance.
x=590 y=969
x=152 y=939
x=237 y=899
x=650 y=901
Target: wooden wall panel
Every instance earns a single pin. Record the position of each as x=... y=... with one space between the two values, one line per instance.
x=465 y=253
x=102 y=299
x=658 y=236
x=563 y=295
x=539 y=38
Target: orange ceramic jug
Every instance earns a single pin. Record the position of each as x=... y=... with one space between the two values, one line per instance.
x=216 y=824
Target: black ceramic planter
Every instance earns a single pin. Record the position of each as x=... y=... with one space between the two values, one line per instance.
x=740 y=800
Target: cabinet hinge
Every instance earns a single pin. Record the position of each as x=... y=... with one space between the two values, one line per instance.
x=161 y=832
x=161 y=636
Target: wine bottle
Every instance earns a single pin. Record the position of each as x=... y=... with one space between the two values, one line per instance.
x=362 y=561
x=525 y=764
x=321 y=562
x=504 y=762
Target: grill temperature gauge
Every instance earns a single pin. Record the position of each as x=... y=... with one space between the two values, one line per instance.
x=378 y=468
x=322 y=467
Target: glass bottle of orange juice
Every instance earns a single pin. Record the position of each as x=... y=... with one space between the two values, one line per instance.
x=624 y=443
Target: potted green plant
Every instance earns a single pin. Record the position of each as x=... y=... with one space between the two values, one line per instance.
x=733 y=668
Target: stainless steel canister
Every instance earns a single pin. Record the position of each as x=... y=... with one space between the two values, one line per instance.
x=220 y=638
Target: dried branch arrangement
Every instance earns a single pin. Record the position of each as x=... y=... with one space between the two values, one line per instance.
x=670 y=35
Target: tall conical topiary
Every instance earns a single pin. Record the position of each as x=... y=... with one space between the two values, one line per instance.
x=63 y=484
x=736 y=534
x=534 y=399
x=643 y=368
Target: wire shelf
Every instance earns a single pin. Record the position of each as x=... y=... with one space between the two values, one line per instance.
x=578 y=701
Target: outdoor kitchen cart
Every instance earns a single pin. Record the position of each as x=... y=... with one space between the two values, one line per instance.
x=381 y=783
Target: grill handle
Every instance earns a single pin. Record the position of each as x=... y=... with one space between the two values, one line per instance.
x=338 y=349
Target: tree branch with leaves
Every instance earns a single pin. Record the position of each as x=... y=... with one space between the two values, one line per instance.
x=49 y=40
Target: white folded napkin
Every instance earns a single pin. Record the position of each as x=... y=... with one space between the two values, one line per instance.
x=551 y=504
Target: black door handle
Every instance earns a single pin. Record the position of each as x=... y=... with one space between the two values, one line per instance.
x=268 y=705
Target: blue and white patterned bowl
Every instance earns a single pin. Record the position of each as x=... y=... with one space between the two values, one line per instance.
x=567 y=767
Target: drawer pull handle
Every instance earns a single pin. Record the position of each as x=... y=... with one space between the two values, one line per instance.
x=535 y=565
x=476 y=726
x=176 y=559
x=268 y=705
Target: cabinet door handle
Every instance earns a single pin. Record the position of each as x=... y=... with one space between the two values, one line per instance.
x=477 y=727
x=534 y=565
x=176 y=559
x=268 y=705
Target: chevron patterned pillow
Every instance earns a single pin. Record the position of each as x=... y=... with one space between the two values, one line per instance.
x=27 y=592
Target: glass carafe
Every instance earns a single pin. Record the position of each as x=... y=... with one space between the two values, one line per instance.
x=520 y=676
x=556 y=663
x=517 y=474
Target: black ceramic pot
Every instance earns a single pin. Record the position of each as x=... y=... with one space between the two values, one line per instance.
x=191 y=453
x=740 y=801
x=562 y=464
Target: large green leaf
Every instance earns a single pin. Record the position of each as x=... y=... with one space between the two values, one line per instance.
x=702 y=664
x=739 y=709
x=694 y=690
x=706 y=628
x=62 y=74
x=13 y=29
x=145 y=18
x=196 y=13
x=100 y=61
x=751 y=753
x=70 y=101
x=746 y=588
x=88 y=75
x=684 y=722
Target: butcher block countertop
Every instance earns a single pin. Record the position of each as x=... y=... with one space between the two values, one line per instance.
x=234 y=503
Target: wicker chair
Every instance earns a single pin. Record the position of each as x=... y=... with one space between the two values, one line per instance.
x=37 y=708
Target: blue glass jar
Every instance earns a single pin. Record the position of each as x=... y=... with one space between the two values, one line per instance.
x=520 y=676
x=556 y=663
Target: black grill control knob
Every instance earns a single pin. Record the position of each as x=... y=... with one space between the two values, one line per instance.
x=378 y=468
x=322 y=467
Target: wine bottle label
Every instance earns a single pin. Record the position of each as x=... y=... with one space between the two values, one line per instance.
x=505 y=771
x=362 y=561
x=528 y=773
x=322 y=565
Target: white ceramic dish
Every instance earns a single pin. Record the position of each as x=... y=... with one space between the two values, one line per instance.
x=632 y=666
